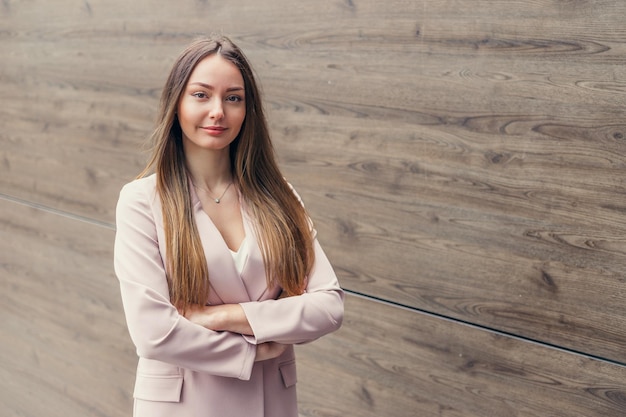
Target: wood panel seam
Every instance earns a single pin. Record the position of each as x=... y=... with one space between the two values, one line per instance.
x=52 y=210
x=481 y=327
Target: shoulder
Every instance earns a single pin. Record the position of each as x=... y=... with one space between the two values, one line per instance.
x=295 y=193
x=137 y=213
x=310 y=221
x=140 y=185
x=139 y=191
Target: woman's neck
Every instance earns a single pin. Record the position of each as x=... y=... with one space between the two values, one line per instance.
x=209 y=169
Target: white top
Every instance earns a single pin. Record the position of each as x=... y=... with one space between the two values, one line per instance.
x=241 y=255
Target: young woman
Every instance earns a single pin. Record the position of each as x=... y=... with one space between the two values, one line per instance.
x=219 y=267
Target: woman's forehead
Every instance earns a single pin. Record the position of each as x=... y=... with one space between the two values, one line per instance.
x=215 y=71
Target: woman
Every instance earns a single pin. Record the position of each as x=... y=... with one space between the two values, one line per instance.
x=219 y=268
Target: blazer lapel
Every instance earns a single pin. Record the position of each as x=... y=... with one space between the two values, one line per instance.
x=253 y=273
x=226 y=285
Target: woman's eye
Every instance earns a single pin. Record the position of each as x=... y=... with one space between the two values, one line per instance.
x=199 y=94
x=234 y=99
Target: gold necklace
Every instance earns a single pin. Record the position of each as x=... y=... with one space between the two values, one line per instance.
x=217 y=200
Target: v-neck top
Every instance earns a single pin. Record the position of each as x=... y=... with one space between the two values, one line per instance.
x=241 y=255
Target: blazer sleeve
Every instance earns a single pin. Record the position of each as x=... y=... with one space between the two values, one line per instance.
x=303 y=318
x=156 y=328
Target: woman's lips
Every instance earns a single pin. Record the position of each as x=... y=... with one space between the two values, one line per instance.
x=214 y=130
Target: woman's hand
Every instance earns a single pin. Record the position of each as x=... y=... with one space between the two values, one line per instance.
x=223 y=317
x=231 y=318
x=269 y=350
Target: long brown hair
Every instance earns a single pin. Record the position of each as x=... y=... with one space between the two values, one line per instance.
x=281 y=222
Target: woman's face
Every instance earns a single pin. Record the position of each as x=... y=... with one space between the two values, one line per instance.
x=212 y=107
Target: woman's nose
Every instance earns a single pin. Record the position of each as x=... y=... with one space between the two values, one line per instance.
x=217 y=109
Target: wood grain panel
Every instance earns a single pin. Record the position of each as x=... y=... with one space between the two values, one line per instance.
x=475 y=177
x=387 y=361
x=91 y=73
x=65 y=350
x=464 y=158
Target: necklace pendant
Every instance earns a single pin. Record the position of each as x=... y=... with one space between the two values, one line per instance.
x=217 y=200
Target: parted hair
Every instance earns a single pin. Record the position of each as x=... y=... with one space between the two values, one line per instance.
x=282 y=225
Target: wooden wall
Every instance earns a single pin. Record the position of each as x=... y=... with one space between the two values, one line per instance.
x=463 y=161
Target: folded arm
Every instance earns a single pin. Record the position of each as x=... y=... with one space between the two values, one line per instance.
x=288 y=320
x=156 y=328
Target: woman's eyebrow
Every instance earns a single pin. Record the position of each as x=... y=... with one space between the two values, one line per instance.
x=210 y=87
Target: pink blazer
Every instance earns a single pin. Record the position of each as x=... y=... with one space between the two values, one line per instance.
x=187 y=370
